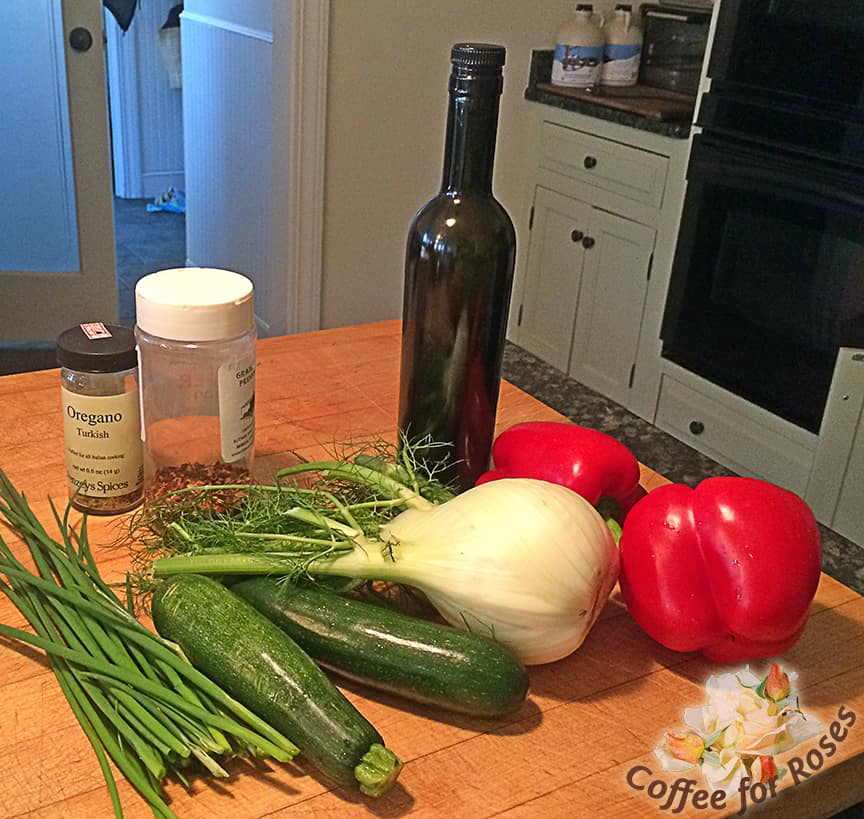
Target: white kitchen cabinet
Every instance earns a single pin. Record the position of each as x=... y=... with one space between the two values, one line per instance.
x=553 y=277
x=849 y=517
x=605 y=203
x=834 y=490
x=826 y=470
x=615 y=274
x=747 y=439
x=584 y=291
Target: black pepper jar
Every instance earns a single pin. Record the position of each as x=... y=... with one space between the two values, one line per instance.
x=458 y=280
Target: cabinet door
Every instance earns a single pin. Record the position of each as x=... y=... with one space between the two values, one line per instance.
x=849 y=517
x=552 y=276
x=615 y=272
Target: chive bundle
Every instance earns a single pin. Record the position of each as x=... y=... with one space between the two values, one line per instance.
x=138 y=700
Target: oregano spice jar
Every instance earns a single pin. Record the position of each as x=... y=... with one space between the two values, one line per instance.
x=101 y=417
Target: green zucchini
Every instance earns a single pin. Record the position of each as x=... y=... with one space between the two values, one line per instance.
x=232 y=643
x=394 y=652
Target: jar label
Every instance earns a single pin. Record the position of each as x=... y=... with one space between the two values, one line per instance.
x=576 y=65
x=94 y=330
x=102 y=435
x=237 y=408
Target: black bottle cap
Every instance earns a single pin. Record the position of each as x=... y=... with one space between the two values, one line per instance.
x=97 y=348
x=477 y=55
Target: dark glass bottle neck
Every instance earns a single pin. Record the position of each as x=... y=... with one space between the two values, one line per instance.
x=472 y=124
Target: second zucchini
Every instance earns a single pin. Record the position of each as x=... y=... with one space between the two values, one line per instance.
x=391 y=651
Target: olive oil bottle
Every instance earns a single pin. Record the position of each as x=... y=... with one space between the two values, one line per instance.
x=458 y=279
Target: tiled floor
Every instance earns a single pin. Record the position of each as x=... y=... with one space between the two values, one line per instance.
x=144 y=242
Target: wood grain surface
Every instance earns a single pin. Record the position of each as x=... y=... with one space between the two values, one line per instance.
x=589 y=720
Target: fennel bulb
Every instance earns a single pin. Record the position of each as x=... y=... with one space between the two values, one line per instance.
x=524 y=561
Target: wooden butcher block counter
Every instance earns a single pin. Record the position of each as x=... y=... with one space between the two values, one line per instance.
x=582 y=744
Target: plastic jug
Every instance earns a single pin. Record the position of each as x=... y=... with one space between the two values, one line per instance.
x=623 y=49
x=579 y=50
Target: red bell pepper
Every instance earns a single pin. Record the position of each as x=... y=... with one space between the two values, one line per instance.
x=728 y=568
x=591 y=463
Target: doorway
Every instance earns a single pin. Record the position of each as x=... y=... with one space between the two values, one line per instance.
x=144 y=85
x=258 y=204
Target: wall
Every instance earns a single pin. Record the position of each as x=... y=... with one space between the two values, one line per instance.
x=227 y=92
x=386 y=115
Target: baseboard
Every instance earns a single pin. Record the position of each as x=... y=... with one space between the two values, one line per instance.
x=26 y=357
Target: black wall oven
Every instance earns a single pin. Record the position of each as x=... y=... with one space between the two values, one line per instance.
x=809 y=50
x=768 y=277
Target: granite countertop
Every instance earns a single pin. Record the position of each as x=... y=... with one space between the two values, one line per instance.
x=540 y=90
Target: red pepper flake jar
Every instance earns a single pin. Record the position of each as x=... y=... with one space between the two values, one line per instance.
x=101 y=420
x=196 y=345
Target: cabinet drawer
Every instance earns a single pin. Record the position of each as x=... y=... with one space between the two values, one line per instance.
x=621 y=169
x=731 y=438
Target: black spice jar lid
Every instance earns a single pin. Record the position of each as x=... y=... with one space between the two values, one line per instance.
x=97 y=348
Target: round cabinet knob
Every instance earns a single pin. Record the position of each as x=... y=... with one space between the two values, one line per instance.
x=590 y=162
x=80 y=39
x=697 y=427
x=577 y=235
x=587 y=243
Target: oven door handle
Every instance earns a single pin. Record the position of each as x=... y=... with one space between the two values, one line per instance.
x=680 y=16
x=809 y=178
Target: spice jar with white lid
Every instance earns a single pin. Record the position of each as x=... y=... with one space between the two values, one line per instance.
x=196 y=336
x=101 y=417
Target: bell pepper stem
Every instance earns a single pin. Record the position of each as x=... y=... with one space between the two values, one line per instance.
x=615 y=528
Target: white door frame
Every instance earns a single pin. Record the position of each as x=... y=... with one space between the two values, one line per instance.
x=298 y=196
